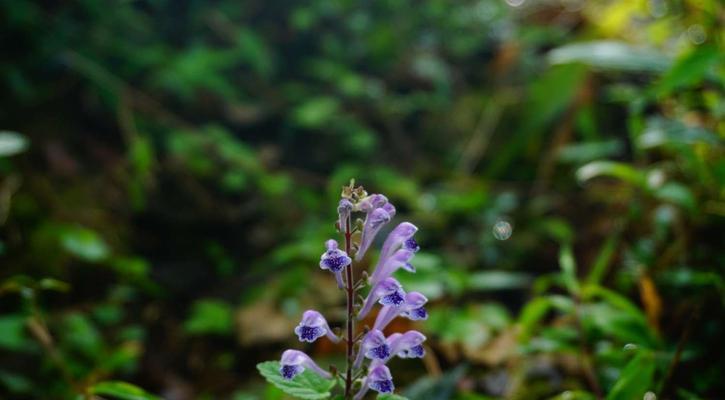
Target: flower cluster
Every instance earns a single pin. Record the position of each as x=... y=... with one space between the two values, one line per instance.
x=371 y=349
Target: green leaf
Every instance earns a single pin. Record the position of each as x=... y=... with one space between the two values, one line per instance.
x=613 y=169
x=12 y=143
x=600 y=265
x=666 y=132
x=677 y=193
x=443 y=388
x=121 y=390
x=307 y=385
x=536 y=310
x=53 y=284
x=689 y=70
x=574 y=395
x=13 y=335
x=84 y=243
x=636 y=378
x=391 y=397
x=568 y=269
x=497 y=280
x=590 y=151
x=210 y=316
x=316 y=112
x=610 y=55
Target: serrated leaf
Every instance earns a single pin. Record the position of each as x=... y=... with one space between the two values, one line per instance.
x=121 y=390
x=307 y=385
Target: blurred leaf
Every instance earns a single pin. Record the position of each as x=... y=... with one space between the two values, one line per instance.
x=589 y=151
x=614 y=323
x=663 y=132
x=316 y=112
x=121 y=391
x=442 y=388
x=613 y=169
x=497 y=280
x=84 y=243
x=15 y=383
x=80 y=335
x=604 y=258
x=391 y=397
x=689 y=70
x=53 y=284
x=574 y=395
x=636 y=378
x=535 y=310
x=12 y=143
x=14 y=336
x=210 y=316
x=568 y=269
x=678 y=194
x=307 y=385
x=610 y=55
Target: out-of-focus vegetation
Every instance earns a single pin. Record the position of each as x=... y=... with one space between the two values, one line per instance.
x=170 y=170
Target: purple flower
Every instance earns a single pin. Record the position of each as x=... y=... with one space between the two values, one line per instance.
x=401 y=236
x=334 y=260
x=374 y=346
x=378 y=212
x=313 y=326
x=400 y=259
x=407 y=345
x=374 y=221
x=371 y=202
x=293 y=362
x=413 y=308
x=378 y=379
x=343 y=212
x=387 y=292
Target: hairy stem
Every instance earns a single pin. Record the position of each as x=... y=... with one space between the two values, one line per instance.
x=350 y=288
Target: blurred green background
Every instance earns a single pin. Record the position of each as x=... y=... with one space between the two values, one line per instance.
x=169 y=171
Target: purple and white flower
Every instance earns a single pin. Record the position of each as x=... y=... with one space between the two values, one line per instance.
x=378 y=379
x=399 y=238
x=314 y=326
x=378 y=213
x=413 y=308
x=335 y=260
x=407 y=345
x=343 y=214
x=294 y=362
x=399 y=259
x=387 y=292
x=374 y=346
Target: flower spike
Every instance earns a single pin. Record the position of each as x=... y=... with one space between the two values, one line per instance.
x=294 y=362
x=334 y=260
x=313 y=326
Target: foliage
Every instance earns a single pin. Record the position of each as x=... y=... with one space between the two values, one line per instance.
x=166 y=169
